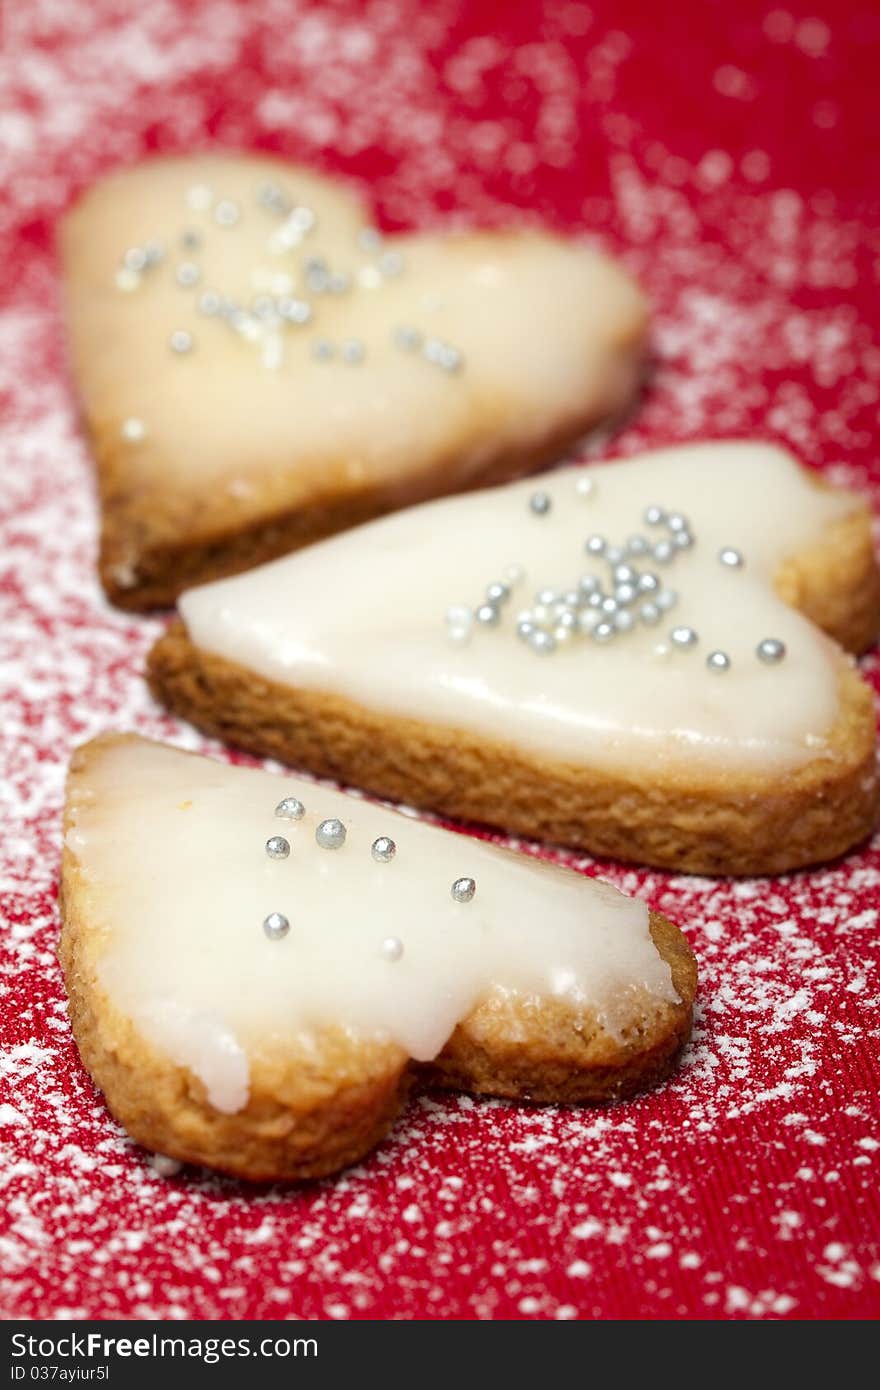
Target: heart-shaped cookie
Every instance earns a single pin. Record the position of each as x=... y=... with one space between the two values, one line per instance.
x=612 y=658
x=260 y=968
x=259 y=368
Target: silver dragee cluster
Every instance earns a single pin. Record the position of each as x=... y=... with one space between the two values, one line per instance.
x=602 y=606
x=288 y=297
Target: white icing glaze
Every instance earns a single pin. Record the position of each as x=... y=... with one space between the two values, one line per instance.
x=363 y=615
x=172 y=848
x=547 y=329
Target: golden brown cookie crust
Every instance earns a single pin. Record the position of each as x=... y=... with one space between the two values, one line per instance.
x=836 y=583
x=151 y=527
x=310 y=1115
x=538 y=1050
x=731 y=824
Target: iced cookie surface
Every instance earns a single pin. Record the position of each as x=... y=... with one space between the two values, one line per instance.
x=659 y=624
x=245 y=937
x=259 y=367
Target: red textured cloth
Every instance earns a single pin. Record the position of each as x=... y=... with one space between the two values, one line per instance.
x=729 y=153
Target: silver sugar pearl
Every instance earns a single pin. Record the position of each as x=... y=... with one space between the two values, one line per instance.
x=452 y=359
x=649 y=614
x=683 y=637
x=210 y=303
x=392 y=948
x=226 y=213
x=458 y=615
x=676 y=522
x=662 y=552
x=276 y=926
x=270 y=196
x=770 y=650
x=369 y=239
x=154 y=252
x=383 y=849
x=609 y=605
x=353 y=351
x=294 y=310
x=181 y=341
x=463 y=890
x=573 y=598
x=330 y=834
x=460 y=635
x=731 y=558
x=290 y=808
x=264 y=307
x=317 y=275
x=277 y=847
x=391 y=263
x=497 y=592
x=614 y=554
x=567 y=621
x=596 y=545
x=654 y=516
x=666 y=599
x=513 y=574
x=542 y=642
x=540 y=503
x=524 y=628
x=637 y=545
x=241 y=321
x=625 y=593
x=588 y=618
x=187 y=274
x=442 y=355
x=135 y=259
x=625 y=574
x=718 y=661
x=317 y=280
x=648 y=583
x=623 y=620
x=302 y=218
x=488 y=615
x=589 y=583
x=547 y=596
x=323 y=350
x=585 y=487
x=406 y=338
x=603 y=631
x=682 y=540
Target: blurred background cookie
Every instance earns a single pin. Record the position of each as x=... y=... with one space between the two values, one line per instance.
x=259 y=367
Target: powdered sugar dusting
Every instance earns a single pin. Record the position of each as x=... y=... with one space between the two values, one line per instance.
x=746 y=1187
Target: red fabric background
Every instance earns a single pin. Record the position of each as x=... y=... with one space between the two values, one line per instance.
x=729 y=152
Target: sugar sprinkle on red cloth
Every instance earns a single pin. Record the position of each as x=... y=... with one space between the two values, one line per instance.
x=726 y=153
